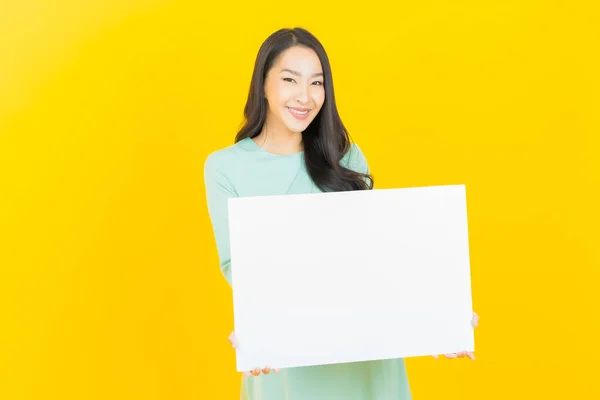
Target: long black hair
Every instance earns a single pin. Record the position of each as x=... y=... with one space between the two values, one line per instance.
x=325 y=140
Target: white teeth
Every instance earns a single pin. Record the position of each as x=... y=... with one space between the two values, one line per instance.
x=298 y=112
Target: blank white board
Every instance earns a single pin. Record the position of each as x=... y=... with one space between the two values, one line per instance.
x=350 y=276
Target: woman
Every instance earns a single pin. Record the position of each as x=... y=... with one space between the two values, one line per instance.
x=293 y=141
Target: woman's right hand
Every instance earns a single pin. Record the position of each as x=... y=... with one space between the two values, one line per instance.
x=256 y=371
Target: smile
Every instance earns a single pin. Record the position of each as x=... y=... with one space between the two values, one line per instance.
x=298 y=114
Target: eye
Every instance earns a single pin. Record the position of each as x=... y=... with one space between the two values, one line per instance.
x=318 y=83
x=288 y=79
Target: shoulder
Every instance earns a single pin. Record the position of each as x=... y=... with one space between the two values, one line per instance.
x=355 y=159
x=219 y=167
x=221 y=159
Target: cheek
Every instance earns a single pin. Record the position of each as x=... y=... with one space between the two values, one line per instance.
x=273 y=91
x=279 y=94
x=319 y=97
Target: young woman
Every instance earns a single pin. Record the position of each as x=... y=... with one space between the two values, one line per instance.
x=293 y=142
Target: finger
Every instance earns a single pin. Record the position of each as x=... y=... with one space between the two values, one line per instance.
x=233 y=340
x=276 y=370
x=470 y=355
x=246 y=373
x=436 y=356
x=266 y=370
x=256 y=371
x=450 y=355
x=460 y=354
x=475 y=320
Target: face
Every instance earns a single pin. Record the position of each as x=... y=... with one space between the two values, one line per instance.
x=294 y=90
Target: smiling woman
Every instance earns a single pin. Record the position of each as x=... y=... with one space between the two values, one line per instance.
x=293 y=141
x=299 y=94
x=291 y=107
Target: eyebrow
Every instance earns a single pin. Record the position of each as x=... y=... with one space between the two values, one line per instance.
x=299 y=74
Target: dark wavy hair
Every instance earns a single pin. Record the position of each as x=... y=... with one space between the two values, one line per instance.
x=325 y=140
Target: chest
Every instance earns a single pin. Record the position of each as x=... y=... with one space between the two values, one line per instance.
x=270 y=180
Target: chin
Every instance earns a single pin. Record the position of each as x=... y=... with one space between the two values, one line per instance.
x=298 y=127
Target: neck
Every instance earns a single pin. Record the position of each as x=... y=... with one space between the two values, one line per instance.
x=279 y=140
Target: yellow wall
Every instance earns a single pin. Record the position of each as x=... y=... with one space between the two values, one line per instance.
x=109 y=285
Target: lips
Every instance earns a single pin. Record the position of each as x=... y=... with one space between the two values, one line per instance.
x=298 y=112
x=301 y=109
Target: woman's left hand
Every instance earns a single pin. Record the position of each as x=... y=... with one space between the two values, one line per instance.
x=474 y=323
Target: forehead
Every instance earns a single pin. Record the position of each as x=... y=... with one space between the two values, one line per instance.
x=299 y=58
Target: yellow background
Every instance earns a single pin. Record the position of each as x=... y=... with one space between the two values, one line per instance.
x=110 y=286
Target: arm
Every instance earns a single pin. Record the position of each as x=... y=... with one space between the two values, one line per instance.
x=218 y=189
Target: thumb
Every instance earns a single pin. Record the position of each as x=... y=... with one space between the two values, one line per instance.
x=233 y=340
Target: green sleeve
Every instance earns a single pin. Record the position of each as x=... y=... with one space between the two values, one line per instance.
x=355 y=160
x=218 y=189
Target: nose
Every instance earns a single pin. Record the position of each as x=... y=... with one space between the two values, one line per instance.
x=302 y=95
